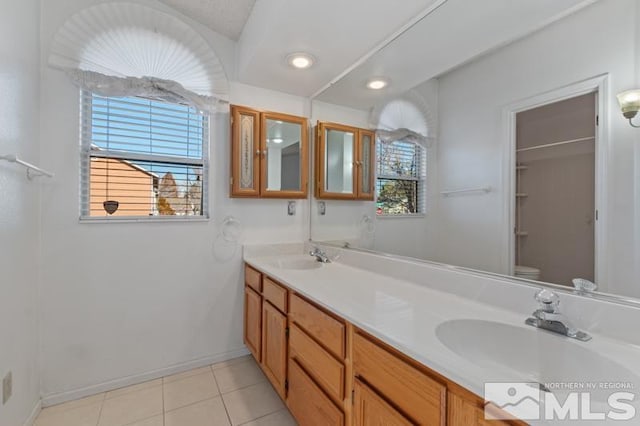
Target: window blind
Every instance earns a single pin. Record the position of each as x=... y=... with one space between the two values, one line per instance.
x=400 y=184
x=142 y=158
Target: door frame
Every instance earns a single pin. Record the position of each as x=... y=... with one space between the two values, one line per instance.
x=600 y=86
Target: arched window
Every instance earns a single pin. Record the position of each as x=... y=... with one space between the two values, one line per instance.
x=401 y=160
x=149 y=82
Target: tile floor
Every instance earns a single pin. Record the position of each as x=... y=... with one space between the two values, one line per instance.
x=231 y=393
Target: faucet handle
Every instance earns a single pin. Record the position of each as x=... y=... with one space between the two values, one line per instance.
x=548 y=300
x=582 y=284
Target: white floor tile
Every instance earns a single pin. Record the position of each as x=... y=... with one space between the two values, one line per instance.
x=189 y=390
x=238 y=375
x=90 y=400
x=205 y=413
x=153 y=421
x=281 y=418
x=86 y=415
x=133 y=388
x=185 y=374
x=251 y=403
x=231 y=362
x=132 y=407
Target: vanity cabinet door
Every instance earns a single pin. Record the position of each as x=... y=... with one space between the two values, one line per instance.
x=274 y=349
x=371 y=410
x=365 y=164
x=245 y=152
x=253 y=322
x=469 y=412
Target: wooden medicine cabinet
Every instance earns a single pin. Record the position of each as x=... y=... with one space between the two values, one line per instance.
x=345 y=158
x=269 y=154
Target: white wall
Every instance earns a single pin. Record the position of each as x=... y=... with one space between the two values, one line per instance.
x=599 y=39
x=125 y=301
x=19 y=223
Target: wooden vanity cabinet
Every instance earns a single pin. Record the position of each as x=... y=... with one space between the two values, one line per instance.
x=269 y=154
x=266 y=326
x=369 y=409
x=330 y=373
x=274 y=347
x=345 y=161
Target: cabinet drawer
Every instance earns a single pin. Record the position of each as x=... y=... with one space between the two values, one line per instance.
x=420 y=397
x=321 y=326
x=308 y=404
x=275 y=293
x=253 y=278
x=320 y=365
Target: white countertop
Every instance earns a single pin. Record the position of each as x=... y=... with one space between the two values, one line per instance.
x=406 y=314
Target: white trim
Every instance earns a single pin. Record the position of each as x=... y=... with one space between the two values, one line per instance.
x=599 y=85
x=138 y=219
x=37 y=408
x=401 y=216
x=59 y=398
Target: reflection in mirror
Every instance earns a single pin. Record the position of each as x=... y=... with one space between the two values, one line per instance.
x=530 y=169
x=283 y=156
x=339 y=161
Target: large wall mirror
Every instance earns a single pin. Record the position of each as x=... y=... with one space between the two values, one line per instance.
x=503 y=151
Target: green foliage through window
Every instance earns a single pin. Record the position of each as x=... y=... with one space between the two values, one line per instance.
x=400 y=178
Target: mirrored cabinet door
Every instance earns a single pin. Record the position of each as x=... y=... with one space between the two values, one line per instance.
x=284 y=156
x=365 y=164
x=336 y=159
x=245 y=152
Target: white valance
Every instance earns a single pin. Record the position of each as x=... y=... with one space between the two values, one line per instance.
x=146 y=87
x=405 y=118
x=389 y=136
x=131 y=49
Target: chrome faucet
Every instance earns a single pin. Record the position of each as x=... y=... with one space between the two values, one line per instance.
x=548 y=317
x=319 y=255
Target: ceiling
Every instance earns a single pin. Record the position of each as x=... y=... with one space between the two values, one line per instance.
x=340 y=33
x=227 y=17
x=454 y=34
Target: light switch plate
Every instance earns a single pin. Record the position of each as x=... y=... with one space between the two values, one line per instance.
x=291 y=208
x=7 y=387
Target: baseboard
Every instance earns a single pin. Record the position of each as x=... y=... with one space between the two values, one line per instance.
x=34 y=414
x=59 y=398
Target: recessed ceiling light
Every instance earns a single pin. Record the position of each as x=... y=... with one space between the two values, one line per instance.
x=300 y=60
x=277 y=140
x=377 y=83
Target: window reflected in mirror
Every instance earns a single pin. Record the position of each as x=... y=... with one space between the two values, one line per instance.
x=400 y=182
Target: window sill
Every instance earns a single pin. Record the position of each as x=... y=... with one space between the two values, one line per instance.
x=130 y=219
x=401 y=216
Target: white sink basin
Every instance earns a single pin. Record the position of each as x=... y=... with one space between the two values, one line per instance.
x=511 y=353
x=297 y=262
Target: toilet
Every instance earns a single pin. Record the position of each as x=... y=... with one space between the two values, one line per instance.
x=527 y=272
